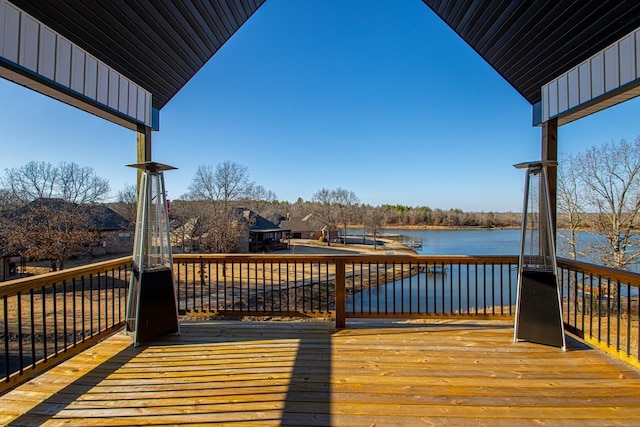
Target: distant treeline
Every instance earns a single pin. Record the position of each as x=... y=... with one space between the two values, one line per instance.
x=400 y=215
x=396 y=215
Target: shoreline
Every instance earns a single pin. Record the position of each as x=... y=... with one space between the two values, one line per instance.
x=315 y=247
x=433 y=227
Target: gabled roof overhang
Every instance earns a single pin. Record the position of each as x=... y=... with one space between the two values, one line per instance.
x=161 y=45
x=530 y=43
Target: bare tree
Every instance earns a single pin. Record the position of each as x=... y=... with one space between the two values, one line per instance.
x=8 y=201
x=225 y=230
x=571 y=203
x=217 y=221
x=126 y=202
x=258 y=197
x=80 y=184
x=207 y=226
x=346 y=201
x=227 y=182
x=374 y=220
x=31 y=181
x=610 y=177
x=67 y=181
x=326 y=211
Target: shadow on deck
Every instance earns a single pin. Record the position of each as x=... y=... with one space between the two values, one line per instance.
x=301 y=373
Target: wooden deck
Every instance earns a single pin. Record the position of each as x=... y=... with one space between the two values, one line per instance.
x=372 y=374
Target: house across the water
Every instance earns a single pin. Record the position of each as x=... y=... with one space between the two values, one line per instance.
x=264 y=235
x=308 y=228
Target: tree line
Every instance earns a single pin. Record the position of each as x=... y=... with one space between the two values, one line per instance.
x=598 y=190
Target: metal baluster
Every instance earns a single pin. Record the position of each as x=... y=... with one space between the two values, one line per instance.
x=33 y=329
x=7 y=356
x=20 y=355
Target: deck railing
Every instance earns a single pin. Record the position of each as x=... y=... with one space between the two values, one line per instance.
x=600 y=305
x=374 y=286
x=48 y=318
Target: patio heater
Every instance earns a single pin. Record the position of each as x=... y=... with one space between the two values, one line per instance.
x=152 y=307
x=538 y=303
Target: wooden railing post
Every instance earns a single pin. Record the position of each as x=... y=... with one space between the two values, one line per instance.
x=340 y=294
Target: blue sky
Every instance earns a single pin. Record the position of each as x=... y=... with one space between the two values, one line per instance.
x=377 y=97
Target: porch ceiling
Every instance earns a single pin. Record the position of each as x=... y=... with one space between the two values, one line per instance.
x=158 y=44
x=530 y=43
x=162 y=44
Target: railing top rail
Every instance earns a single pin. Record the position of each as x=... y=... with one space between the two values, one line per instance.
x=633 y=279
x=25 y=284
x=359 y=258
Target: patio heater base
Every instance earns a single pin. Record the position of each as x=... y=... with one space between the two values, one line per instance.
x=540 y=317
x=157 y=314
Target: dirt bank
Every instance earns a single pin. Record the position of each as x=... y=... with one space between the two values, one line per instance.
x=315 y=247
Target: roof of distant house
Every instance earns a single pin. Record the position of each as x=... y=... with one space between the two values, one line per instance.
x=101 y=217
x=307 y=223
x=261 y=224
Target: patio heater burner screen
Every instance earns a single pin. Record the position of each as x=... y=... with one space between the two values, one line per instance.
x=152 y=308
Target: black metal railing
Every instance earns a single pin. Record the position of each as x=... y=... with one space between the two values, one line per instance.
x=47 y=318
x=255 y=284
x=426 y=286
x=361 y=285
x=600 y=305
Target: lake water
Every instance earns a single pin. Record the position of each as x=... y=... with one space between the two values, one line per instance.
x=484 y=241
x=462 y=242
x=441 y=292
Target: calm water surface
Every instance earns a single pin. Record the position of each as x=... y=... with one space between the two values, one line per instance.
x=462 y=242
x=477 y=241
x=441 y=292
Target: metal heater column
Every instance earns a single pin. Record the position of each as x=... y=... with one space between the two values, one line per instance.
x=538 y=304
x=152 y=309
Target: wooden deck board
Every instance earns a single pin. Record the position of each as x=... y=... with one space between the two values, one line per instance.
x=373 y=373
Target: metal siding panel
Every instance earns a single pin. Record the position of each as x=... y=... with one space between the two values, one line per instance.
x=584 y=75
x=77 y=69
x=573 y=88
x=63 y=61
x=47 y=53
x=611 y=68
x=91 y=77
x=123 y=103
x=637 y=54
x=103 y=84
x=29 y=42
x=114 y=89
x=627 y=60
x=148 y=103
x=142 y=97
x=563 y=94
x=2 y=13
x=132 y=108
x=11 y=36
x=553 y=98
x=545 y=102
x=597 y=75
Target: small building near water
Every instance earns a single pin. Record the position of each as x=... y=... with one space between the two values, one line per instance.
x=307 y=227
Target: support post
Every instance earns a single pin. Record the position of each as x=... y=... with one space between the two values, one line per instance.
x=143 y=148
x=341 y=321
x=550 y=153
